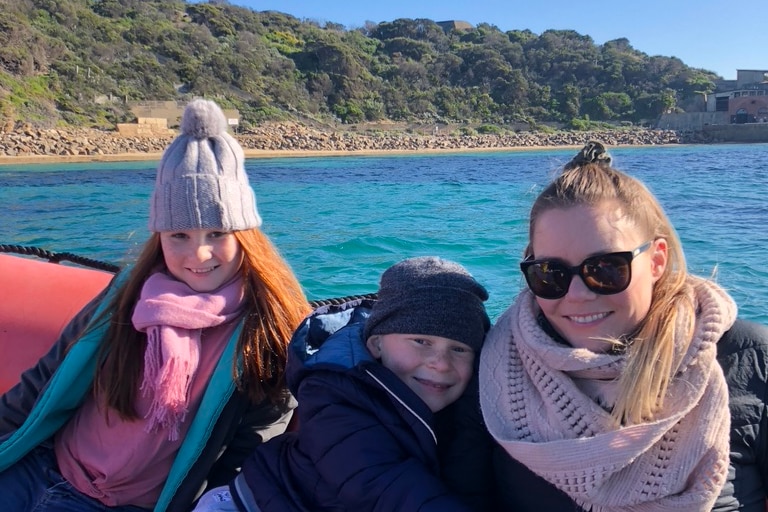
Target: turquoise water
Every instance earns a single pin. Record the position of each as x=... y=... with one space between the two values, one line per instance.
x=340 y=221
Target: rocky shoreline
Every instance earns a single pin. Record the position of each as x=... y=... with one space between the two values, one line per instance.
x=293 y=138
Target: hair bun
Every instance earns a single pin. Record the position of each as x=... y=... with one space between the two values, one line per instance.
x=203 y=119
x=593 y=152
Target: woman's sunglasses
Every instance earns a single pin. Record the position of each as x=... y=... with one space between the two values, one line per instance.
x=604 y=274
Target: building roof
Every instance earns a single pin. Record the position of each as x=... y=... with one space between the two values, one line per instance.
x=457 y=25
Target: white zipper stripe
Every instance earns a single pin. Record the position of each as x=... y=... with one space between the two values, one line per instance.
x=434 y=437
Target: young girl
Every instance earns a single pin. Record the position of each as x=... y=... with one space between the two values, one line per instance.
x=617 y=381
x=162 y=385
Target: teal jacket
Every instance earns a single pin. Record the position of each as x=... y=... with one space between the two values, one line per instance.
x=226 y=428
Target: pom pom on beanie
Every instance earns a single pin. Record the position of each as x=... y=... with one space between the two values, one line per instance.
x=203 y=119
x=201 y=180
x=430 y=296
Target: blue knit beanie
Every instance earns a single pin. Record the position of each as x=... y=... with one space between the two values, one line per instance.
x=431 y=296
x=201 y=181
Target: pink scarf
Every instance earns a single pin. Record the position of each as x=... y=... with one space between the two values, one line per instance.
x=173 y=316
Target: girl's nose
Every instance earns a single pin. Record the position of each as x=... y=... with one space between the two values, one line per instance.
x=203 y=252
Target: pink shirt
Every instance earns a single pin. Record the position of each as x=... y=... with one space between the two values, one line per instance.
x=116 y=461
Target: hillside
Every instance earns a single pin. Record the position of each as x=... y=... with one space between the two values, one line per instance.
x=77 y=62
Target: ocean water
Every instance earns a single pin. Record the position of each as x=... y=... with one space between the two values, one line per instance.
x=340 y=221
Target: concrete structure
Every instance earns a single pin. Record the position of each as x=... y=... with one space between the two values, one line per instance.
x=752 y=132
x=171 y=111
x=750 y=76
x=146 y=127
x=744 y=99
x=457 y=25
x=691 y=120
x=736 y=112
x=160 y=118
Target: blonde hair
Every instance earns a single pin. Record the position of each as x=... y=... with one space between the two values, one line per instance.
x=651 y=354
x=274 y=306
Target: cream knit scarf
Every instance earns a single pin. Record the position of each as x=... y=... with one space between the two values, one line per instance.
x=537 y=413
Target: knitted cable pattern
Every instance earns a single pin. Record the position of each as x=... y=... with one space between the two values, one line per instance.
x=536 y=410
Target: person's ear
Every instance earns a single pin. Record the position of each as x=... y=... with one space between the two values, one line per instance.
x=374 y=346
x=659 y=258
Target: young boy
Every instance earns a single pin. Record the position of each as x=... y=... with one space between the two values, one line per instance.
x=368 y=376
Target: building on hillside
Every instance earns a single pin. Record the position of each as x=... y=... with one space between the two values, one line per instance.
x=736 y=112
x=158 y=117
x=744 y=99
x=455 y=25
x=171 y=111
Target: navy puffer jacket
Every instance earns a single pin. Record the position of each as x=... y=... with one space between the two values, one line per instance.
x=365 y=440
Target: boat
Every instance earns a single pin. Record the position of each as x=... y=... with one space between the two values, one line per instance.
x=41 y=295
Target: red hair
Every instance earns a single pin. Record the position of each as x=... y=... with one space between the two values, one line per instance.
x=274 y=306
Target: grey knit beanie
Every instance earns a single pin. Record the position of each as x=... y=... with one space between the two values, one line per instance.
x=201 y=181
x=431 y=296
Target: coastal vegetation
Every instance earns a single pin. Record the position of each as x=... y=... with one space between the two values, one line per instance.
x=78 y=62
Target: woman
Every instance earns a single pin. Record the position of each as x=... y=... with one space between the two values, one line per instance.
x=163 y=384
x=616 y=381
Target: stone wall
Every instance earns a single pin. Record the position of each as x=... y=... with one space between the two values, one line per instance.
x=751 y=132
x=145 y=127
x=691 y=120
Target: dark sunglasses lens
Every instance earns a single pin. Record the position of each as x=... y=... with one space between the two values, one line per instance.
x=548 y=280
x=607 y=274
